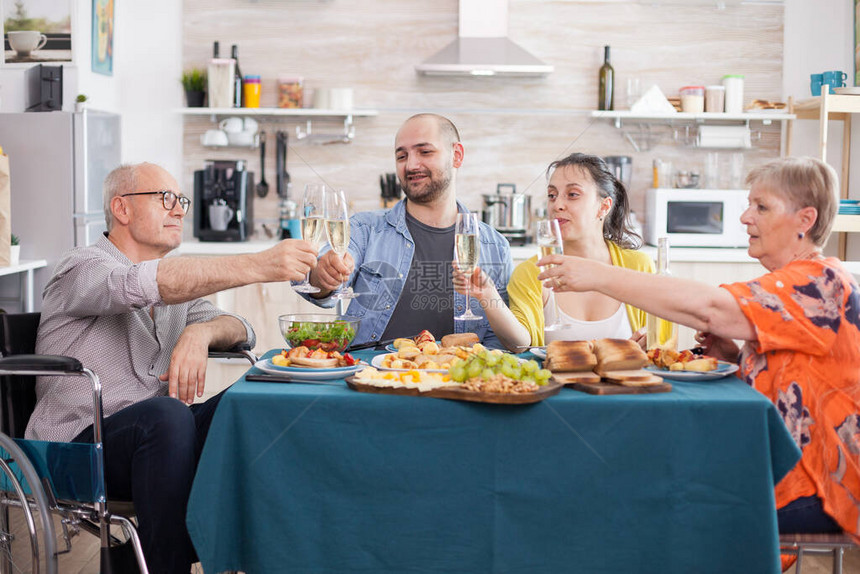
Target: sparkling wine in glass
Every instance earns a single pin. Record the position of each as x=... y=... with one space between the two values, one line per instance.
x=467 y=251
x=312 y=225
x=548 y=237
x=337 y=230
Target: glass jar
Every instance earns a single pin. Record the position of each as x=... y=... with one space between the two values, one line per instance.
x=290 y=93
x=693 y=99
x=252 y=89
x=715 y=99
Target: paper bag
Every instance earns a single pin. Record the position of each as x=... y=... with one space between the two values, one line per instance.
x=5 y=210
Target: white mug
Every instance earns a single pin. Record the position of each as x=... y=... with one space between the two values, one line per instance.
x=214 y=138
x=241 y=138
x=232 y=125
x=220 y=216
x=24 y=42
x=251 y=125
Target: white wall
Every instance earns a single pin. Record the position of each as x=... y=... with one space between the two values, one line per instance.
x=144 y=87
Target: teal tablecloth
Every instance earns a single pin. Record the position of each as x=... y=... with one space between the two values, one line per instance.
x=312 y=478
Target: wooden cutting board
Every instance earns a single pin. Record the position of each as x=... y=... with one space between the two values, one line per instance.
x=614 y=389
x=456 y=394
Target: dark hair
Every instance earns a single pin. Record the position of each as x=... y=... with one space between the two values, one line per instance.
x=616 y=226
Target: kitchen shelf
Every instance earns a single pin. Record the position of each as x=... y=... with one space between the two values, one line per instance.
x=824 y=108
x=278 y=112
x=618 y=117
x=307 y=114
x=643 y=138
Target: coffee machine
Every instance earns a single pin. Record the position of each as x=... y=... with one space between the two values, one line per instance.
x=223 y=201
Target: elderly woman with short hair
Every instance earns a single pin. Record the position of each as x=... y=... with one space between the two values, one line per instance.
x=801 y=325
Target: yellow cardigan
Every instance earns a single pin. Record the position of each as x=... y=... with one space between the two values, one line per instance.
x=526 y=296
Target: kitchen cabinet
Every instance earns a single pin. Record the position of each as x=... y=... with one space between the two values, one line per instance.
x=644 y=137
x=825 y=108
x=308 y=114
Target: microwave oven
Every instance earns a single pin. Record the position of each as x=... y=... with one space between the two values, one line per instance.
x=696 y=217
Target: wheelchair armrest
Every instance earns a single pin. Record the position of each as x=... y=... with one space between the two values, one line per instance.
x=238 y=351
x=54 y=363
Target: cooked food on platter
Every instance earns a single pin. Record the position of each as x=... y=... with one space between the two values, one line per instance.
x=319 y=359
x=601 y=361
x=427 y=354
x=460 y=340
x=487 y=376
x=681 y=360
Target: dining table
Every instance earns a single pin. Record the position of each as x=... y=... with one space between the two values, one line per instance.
x=318 y=478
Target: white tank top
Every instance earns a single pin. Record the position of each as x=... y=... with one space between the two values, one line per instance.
x=617 y=326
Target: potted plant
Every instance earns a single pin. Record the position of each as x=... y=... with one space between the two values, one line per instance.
x=80 y=103
x=14 y=250
x=194 y=83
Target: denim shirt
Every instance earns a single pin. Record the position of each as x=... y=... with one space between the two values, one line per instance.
x=382 y=247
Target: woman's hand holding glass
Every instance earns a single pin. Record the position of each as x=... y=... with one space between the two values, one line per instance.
x=548 y=238
x=477 y=284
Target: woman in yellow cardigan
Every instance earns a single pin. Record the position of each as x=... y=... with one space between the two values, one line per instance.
x=592 y=209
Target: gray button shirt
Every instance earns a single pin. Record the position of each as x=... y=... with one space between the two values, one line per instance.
x=96 y=308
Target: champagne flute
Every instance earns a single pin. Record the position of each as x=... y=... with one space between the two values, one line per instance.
x=313 y=225
x=466 y=251
x=337 y=230
x=548 y=238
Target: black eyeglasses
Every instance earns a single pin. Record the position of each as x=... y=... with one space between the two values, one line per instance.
x=168 y=198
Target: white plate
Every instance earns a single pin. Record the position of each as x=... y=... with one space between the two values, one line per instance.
x=391 y=349
x=306 y=375
x=724 y=369
x=850 y=91
x=377 y=362
x=538 y=352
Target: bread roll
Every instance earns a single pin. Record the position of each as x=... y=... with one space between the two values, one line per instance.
x=618 y=355
x=570 y=356
x=457 y=339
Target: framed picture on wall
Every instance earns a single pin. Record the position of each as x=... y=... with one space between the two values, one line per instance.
x=103 y=37
x=36 y=31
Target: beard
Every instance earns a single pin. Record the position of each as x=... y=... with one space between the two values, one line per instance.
x=427 y=191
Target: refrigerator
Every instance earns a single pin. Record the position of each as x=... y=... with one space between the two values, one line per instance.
x=57 y=162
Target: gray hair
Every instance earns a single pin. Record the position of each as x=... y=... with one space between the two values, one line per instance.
x=121 y=180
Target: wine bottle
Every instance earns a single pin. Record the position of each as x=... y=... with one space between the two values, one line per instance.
x=660 y=332
x=606 y=96
x=238 y=92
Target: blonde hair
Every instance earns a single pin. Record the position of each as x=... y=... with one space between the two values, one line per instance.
x=804 y=182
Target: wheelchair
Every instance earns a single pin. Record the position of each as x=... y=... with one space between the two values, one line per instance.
x=40 y=479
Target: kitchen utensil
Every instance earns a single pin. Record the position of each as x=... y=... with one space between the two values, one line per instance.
x=508 y=212
x=621 y=166
x=263 y=185
x=686 y=179
x=283 y=176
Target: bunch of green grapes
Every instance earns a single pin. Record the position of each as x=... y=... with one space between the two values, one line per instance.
x=485 y=364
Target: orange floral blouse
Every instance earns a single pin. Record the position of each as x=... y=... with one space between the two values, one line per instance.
x=806 y=359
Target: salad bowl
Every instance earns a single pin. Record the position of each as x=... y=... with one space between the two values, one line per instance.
x=318 y=331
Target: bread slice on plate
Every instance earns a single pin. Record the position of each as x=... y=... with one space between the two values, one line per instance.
x=460 y=339
x=570 y=356
x=618 y=355
x=587 y=377
x=314 y=363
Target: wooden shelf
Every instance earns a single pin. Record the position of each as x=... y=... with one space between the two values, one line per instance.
x=847 y=223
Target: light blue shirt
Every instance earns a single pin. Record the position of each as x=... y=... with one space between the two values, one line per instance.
x=382 y=247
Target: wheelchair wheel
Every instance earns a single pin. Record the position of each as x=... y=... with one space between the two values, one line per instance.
x=27 y=540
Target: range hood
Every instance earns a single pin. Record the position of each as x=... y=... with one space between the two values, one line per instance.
x=483 y=48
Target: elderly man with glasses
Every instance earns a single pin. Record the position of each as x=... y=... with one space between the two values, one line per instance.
x=137 y=319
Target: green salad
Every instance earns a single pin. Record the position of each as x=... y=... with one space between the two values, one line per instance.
x=333 y=336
